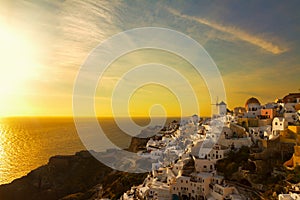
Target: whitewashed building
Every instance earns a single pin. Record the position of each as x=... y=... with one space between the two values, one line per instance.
x=222 y=191
x=194 y=186
x=252 y=108
x=222 y=108
x=290 y=196
x=278 y=124
x=204 y=165
x=159 y=191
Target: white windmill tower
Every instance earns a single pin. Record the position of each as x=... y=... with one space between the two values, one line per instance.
x=221 y=108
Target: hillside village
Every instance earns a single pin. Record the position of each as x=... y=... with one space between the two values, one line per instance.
x=250 y=152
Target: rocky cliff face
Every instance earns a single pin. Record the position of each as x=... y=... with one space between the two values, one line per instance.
x=73 y=177
x=137 y=144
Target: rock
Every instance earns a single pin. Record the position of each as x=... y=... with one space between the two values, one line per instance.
x=71 y=177
x=137 y=144
x=59 y=162
x=76 y=196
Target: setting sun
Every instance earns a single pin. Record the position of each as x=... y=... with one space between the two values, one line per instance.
x=149 y=100
x=17 y=63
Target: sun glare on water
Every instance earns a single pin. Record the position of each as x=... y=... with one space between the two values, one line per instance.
x=17 y=64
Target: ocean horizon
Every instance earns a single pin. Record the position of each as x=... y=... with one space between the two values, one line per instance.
x=28 y=142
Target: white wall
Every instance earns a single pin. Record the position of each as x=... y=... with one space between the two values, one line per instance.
x=279 y=124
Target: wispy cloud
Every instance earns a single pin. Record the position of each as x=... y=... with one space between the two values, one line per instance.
x=236 y=32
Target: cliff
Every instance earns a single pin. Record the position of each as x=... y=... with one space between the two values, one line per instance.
x=73 y=177
x=137 y=144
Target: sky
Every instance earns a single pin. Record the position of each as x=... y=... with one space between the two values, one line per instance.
x=254 y=44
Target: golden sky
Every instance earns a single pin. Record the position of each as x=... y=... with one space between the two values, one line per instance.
x=44 y=44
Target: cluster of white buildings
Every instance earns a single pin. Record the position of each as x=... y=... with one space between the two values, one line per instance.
x=185 y=156
x=185 y=167
x=269 y=120
x=290 y=196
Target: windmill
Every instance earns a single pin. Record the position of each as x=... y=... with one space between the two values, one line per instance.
x=216 y=104
x=221 y=108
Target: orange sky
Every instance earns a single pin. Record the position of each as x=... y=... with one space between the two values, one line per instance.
x=43 y=45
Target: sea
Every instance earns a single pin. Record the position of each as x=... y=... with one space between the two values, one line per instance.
x=28 y=142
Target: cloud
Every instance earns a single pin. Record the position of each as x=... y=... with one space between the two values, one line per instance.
x=238 y=33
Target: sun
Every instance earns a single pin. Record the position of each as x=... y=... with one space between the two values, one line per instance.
x=17 y=64
x=17 y=59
